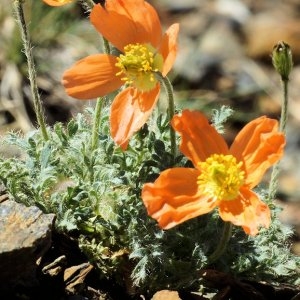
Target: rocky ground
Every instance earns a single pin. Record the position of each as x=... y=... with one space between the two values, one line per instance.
x=224 y=58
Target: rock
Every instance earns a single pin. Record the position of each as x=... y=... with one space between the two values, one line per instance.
x=74 y=277
x=56 y=267
x=3 y=194
x=24 y=237
x=235 y=9
x=264 y=30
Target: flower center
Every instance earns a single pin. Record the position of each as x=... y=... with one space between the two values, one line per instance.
x=221 y=177
x=138 y=65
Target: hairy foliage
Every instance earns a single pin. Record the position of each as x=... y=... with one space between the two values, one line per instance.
x=96 y=195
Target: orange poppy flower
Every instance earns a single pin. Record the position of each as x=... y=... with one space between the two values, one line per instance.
x=57 y=2
x=222 y=176
x=133 y=27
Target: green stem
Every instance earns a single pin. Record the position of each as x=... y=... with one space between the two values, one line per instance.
x=226 y=235
x=282 y=127
x=106 y=45
x=96 y=124
x=99 y=105
x=38 y=108
x=284 y=107
x=171 y=109
x=88 y=5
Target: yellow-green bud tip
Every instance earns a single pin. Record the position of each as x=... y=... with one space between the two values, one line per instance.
x=282 y=59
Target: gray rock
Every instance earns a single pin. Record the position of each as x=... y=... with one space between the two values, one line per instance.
x=25 y=236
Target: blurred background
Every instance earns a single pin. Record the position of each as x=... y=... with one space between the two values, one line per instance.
x=224 y=58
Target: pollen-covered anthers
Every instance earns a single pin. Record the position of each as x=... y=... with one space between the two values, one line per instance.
x=138 y=65
x=221 y=177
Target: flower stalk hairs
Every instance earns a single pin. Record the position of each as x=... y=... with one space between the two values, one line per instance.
x=222 y=176
x=146 y=56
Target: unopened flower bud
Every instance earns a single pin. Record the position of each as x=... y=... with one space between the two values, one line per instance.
x=282 y=59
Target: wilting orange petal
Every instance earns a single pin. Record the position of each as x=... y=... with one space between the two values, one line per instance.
x=129 y=112
x=198 y=138
x=174 y=198
x=168 y=48
x=92 y=77
x=57 y=2
x=247 y=211
x=124 y=22
x=259 y=145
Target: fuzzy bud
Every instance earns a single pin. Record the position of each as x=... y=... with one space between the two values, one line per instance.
x=282 y=59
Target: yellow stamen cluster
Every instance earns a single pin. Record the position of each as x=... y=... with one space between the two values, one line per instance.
x=138 y=65
x=221 y=177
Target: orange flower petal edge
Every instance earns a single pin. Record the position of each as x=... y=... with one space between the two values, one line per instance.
x=129 y=112
x=198 y=138
x=127 y=22
x=220 y=178
x=260 y=145
x=174 y=197
x=92 y=77
x=57 y=2
x=168 y=48
x=247 y=211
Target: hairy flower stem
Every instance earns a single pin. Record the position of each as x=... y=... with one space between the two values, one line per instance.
x=171 y=109
x=282 y=126
x=88 y=5
x=99 y=105
x=283 y=63
x=284 y=107
x=38 y=108
x=96 y=124
x=226 y=234
x=106 y=45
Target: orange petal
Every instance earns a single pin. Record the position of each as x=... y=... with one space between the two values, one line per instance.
x=124 y=22
x=57 y=2
x=92 y=77
x=259 y=145
x=174 y=197
x=168 y=48
x=247 y=211
x=198 y=138
x=129 y=112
